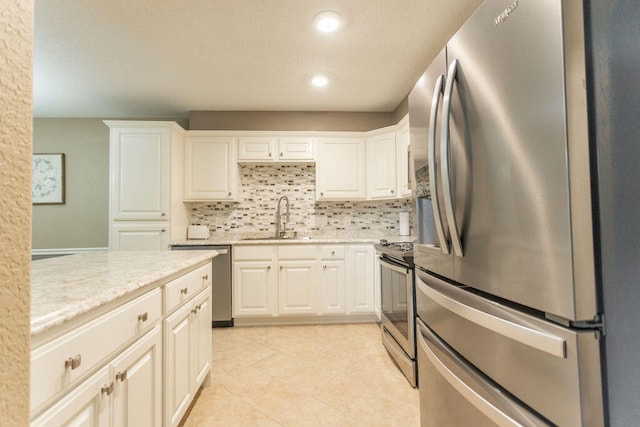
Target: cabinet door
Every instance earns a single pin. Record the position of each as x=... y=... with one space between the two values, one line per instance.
x=360 y=279
x=294 y=148
x=177 y=365
x=210 y=168
x=381 y=166
x=297 y=287
x=403 y=169
x=261 y=148
x=137 y=374
x=139 y=236
x=201 y=334
x=331 y=294
x=254 y=289
x=86 y=406
x=340 y=173
x=139 y=169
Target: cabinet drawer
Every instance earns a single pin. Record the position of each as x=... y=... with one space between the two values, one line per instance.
x=297 y=252
x=88 y=345
x=185 y=287
x=253 y=253
x=332 y=252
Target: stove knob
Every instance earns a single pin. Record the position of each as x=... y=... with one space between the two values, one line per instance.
x=384 y=242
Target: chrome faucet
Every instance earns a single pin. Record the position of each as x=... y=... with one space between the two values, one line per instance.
x=281 y=227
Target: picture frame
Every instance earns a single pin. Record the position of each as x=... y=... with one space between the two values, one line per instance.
x=47 y=186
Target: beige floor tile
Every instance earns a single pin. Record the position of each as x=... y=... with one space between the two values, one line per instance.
x=315 y=375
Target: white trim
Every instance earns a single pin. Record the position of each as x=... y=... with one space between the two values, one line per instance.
x=65 y=251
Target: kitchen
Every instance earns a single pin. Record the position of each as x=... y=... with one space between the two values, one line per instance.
x=619 y=387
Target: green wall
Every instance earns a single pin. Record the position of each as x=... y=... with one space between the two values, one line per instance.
x=82 y=222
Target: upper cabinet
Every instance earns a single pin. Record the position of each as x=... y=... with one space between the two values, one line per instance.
x=340 y=170
x=272 y=148
x=210 y=171
x=403 y=156
x=381 y=166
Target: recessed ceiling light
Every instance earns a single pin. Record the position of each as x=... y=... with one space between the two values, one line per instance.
x=319 y=80
x=328 y=21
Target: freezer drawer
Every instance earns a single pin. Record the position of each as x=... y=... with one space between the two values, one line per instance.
x=454 y=393
x=555 y=370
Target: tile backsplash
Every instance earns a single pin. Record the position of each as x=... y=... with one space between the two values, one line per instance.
x=261 y=185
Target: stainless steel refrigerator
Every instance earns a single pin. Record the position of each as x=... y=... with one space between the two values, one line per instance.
x=508 y=160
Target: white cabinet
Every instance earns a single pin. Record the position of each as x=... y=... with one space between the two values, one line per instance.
x=136 y=376
x=340 y=171
x=404 y=169
x=87 y=405
x=331 y=295
x=360 y=279
x=139 y=236
x=320 y=280
x=268 y=148
x=210 y=171
x=381 y=166
x=254 y=288
x=146 y=180
x=187 y=334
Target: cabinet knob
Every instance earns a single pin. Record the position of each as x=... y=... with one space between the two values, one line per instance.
x=163 y=214
x=184 y=291
x=205 y=277
x=73 y=362
x=269 y=268
x=324 y=266
x=229 y=193
x=392 y=191
x=163 y=230
x=281 y=268
x=143 y=317
x=107 y=389
x=121 y=376
x=280 y=154
x=194 y=310
x=269 y=154
x=333 y=252
x=322 y=194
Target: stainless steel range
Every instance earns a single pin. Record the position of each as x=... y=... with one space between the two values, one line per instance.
x=398 y=305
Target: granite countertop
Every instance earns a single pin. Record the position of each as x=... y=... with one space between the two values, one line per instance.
x=337 y=237
x=63 y=288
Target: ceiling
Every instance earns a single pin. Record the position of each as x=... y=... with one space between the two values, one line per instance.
x=164 y=58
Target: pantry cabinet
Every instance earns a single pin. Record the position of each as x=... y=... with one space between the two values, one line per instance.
x=341 y=170
x=146 y=181
x=210 y=171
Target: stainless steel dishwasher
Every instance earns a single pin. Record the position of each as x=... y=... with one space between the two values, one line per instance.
x=221 y=315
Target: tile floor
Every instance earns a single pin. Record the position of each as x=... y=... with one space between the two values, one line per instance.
x=318 y=375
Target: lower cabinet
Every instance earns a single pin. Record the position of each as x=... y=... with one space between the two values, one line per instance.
x=187 y=341
x=126 y=392
x=297 y=287
x=137 y=383
x=254 y=288
x=310 y=280
x=87 y=405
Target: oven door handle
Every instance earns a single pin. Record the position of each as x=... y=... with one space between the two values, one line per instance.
x=395 y=267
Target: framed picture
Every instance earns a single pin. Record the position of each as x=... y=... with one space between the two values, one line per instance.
x=47 y=187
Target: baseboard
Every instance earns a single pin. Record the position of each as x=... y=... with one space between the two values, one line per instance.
x=305 y=320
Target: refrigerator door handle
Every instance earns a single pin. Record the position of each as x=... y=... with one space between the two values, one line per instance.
x=437 y=92
x=484 y=396
x=491 y=318
x=444 y=153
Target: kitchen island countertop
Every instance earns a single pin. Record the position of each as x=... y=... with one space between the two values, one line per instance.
x=64 y=288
